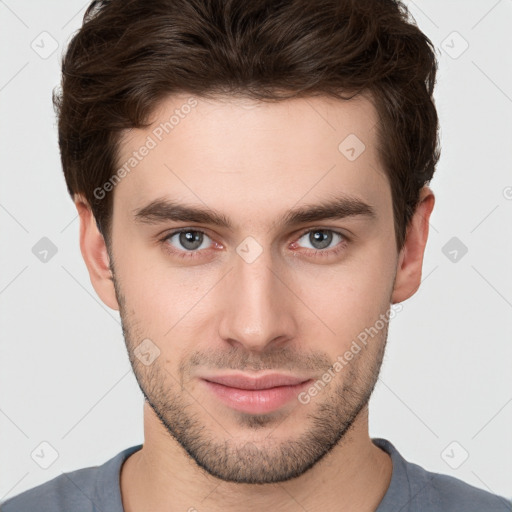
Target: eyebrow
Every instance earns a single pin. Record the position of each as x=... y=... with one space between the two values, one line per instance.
x=162 y=210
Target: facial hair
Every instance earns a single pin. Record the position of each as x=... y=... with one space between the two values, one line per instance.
x=330 y=415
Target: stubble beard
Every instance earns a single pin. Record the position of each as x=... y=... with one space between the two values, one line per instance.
x=330 y=417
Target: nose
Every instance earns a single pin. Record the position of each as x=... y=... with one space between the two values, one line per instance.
x=259 y=308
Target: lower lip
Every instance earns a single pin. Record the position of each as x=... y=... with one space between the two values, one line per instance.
x=256 y=401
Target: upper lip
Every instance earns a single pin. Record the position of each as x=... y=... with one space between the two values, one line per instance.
x=241 y=381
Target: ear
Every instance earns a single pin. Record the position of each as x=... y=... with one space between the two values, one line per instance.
x=95 y=254
x=410 y=260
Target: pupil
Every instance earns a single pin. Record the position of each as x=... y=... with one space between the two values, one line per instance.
x=191 y=239
x=320 y=239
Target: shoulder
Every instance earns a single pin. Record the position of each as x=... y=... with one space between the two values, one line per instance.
x=69 y=491
x=416 y=489
x=83 y=490
x=450 y=494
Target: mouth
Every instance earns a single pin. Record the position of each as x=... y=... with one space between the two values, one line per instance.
x=256 y=394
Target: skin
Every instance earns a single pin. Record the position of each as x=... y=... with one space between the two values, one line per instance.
x=292 y=310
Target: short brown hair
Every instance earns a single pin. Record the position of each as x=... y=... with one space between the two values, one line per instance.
x=131 y=54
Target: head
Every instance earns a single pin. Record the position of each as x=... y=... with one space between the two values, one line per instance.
x=251 y=179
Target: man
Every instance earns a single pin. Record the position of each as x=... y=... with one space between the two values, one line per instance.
x=252 y=184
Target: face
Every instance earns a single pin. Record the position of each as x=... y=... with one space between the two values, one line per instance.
x=252 y=244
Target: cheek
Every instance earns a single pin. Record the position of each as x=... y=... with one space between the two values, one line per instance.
x=347 y=297
x=352 y=296
x=161 y=296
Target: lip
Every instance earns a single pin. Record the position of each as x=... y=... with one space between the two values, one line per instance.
x=256 y=394
x=268 y=381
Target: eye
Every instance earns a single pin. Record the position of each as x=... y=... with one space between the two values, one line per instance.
x=189 y=243
x=188 y=240
x=322 y=241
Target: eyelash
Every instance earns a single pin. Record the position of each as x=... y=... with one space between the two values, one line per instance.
x=316 y=253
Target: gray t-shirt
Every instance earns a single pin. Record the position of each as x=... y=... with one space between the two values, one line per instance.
x=412 y=489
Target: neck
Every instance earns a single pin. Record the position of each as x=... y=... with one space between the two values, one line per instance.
x=161 y=476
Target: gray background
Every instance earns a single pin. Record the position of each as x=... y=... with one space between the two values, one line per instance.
x=445 y=391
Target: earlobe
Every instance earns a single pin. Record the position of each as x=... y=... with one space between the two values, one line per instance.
x=410 y=261
x=95 y=254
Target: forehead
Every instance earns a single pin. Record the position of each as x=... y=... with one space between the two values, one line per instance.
x=247 y=156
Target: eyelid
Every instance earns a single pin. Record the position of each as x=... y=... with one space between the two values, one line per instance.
x=320 y=228
x=316 y=252
x=323 y=253
x=176 y=231
x=297 y=236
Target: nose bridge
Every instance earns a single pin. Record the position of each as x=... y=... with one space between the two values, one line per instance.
x=258 y=310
